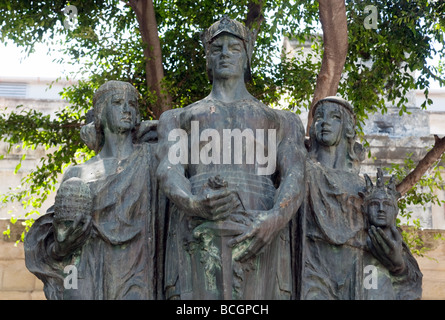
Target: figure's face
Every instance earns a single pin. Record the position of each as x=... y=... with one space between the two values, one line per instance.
x=328 y=124
x=119 y=115
x=381 y=210
x=227 y=57
x=62 y=228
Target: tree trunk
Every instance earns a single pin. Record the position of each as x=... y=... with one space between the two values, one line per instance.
x=335 y=42
x=430 y=158
x=254 y=16
x=145 y=15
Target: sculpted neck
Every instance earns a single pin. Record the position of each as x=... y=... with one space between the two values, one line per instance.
x=117 y=145
x=332 y=156
x=229 y=90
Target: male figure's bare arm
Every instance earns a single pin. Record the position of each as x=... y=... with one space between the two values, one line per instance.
x=213 y=205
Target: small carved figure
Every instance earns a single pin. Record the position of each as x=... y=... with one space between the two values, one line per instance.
x=398 y=274
x=73 y=206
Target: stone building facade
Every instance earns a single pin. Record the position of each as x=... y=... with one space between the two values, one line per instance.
x=16 y=282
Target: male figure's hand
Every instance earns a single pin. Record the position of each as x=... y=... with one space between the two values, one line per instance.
x=214 y=204
x=263 y=230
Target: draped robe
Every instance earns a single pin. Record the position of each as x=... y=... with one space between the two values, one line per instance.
x=330 y=244
x=121 y=257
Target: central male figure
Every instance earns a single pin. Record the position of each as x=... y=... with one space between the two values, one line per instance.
x=228 y=235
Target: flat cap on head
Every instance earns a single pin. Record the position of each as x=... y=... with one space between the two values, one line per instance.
x=234 y=28
x=338 y=100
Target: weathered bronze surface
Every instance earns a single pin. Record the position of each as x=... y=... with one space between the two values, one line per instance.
x=222 y=199
x=335 y=243
x=228 y=234
x=106 y=229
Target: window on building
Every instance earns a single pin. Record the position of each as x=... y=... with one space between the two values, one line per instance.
x=12 y=89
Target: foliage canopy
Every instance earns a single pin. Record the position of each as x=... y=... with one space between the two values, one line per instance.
x=382 y=65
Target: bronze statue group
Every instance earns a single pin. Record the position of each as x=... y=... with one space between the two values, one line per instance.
x=184 y=217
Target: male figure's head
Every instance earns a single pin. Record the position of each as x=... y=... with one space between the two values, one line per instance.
x=228 y=45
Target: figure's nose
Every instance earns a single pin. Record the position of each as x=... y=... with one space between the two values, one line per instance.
x=126 y=107
x=324 y=122
x=381 y=207
x=224 y=51
x=61 y=236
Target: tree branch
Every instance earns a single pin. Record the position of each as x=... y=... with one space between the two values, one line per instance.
x=335 y=42
x=255 y=16
x=145 y=15
x=414 y=176
x=434 y=76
